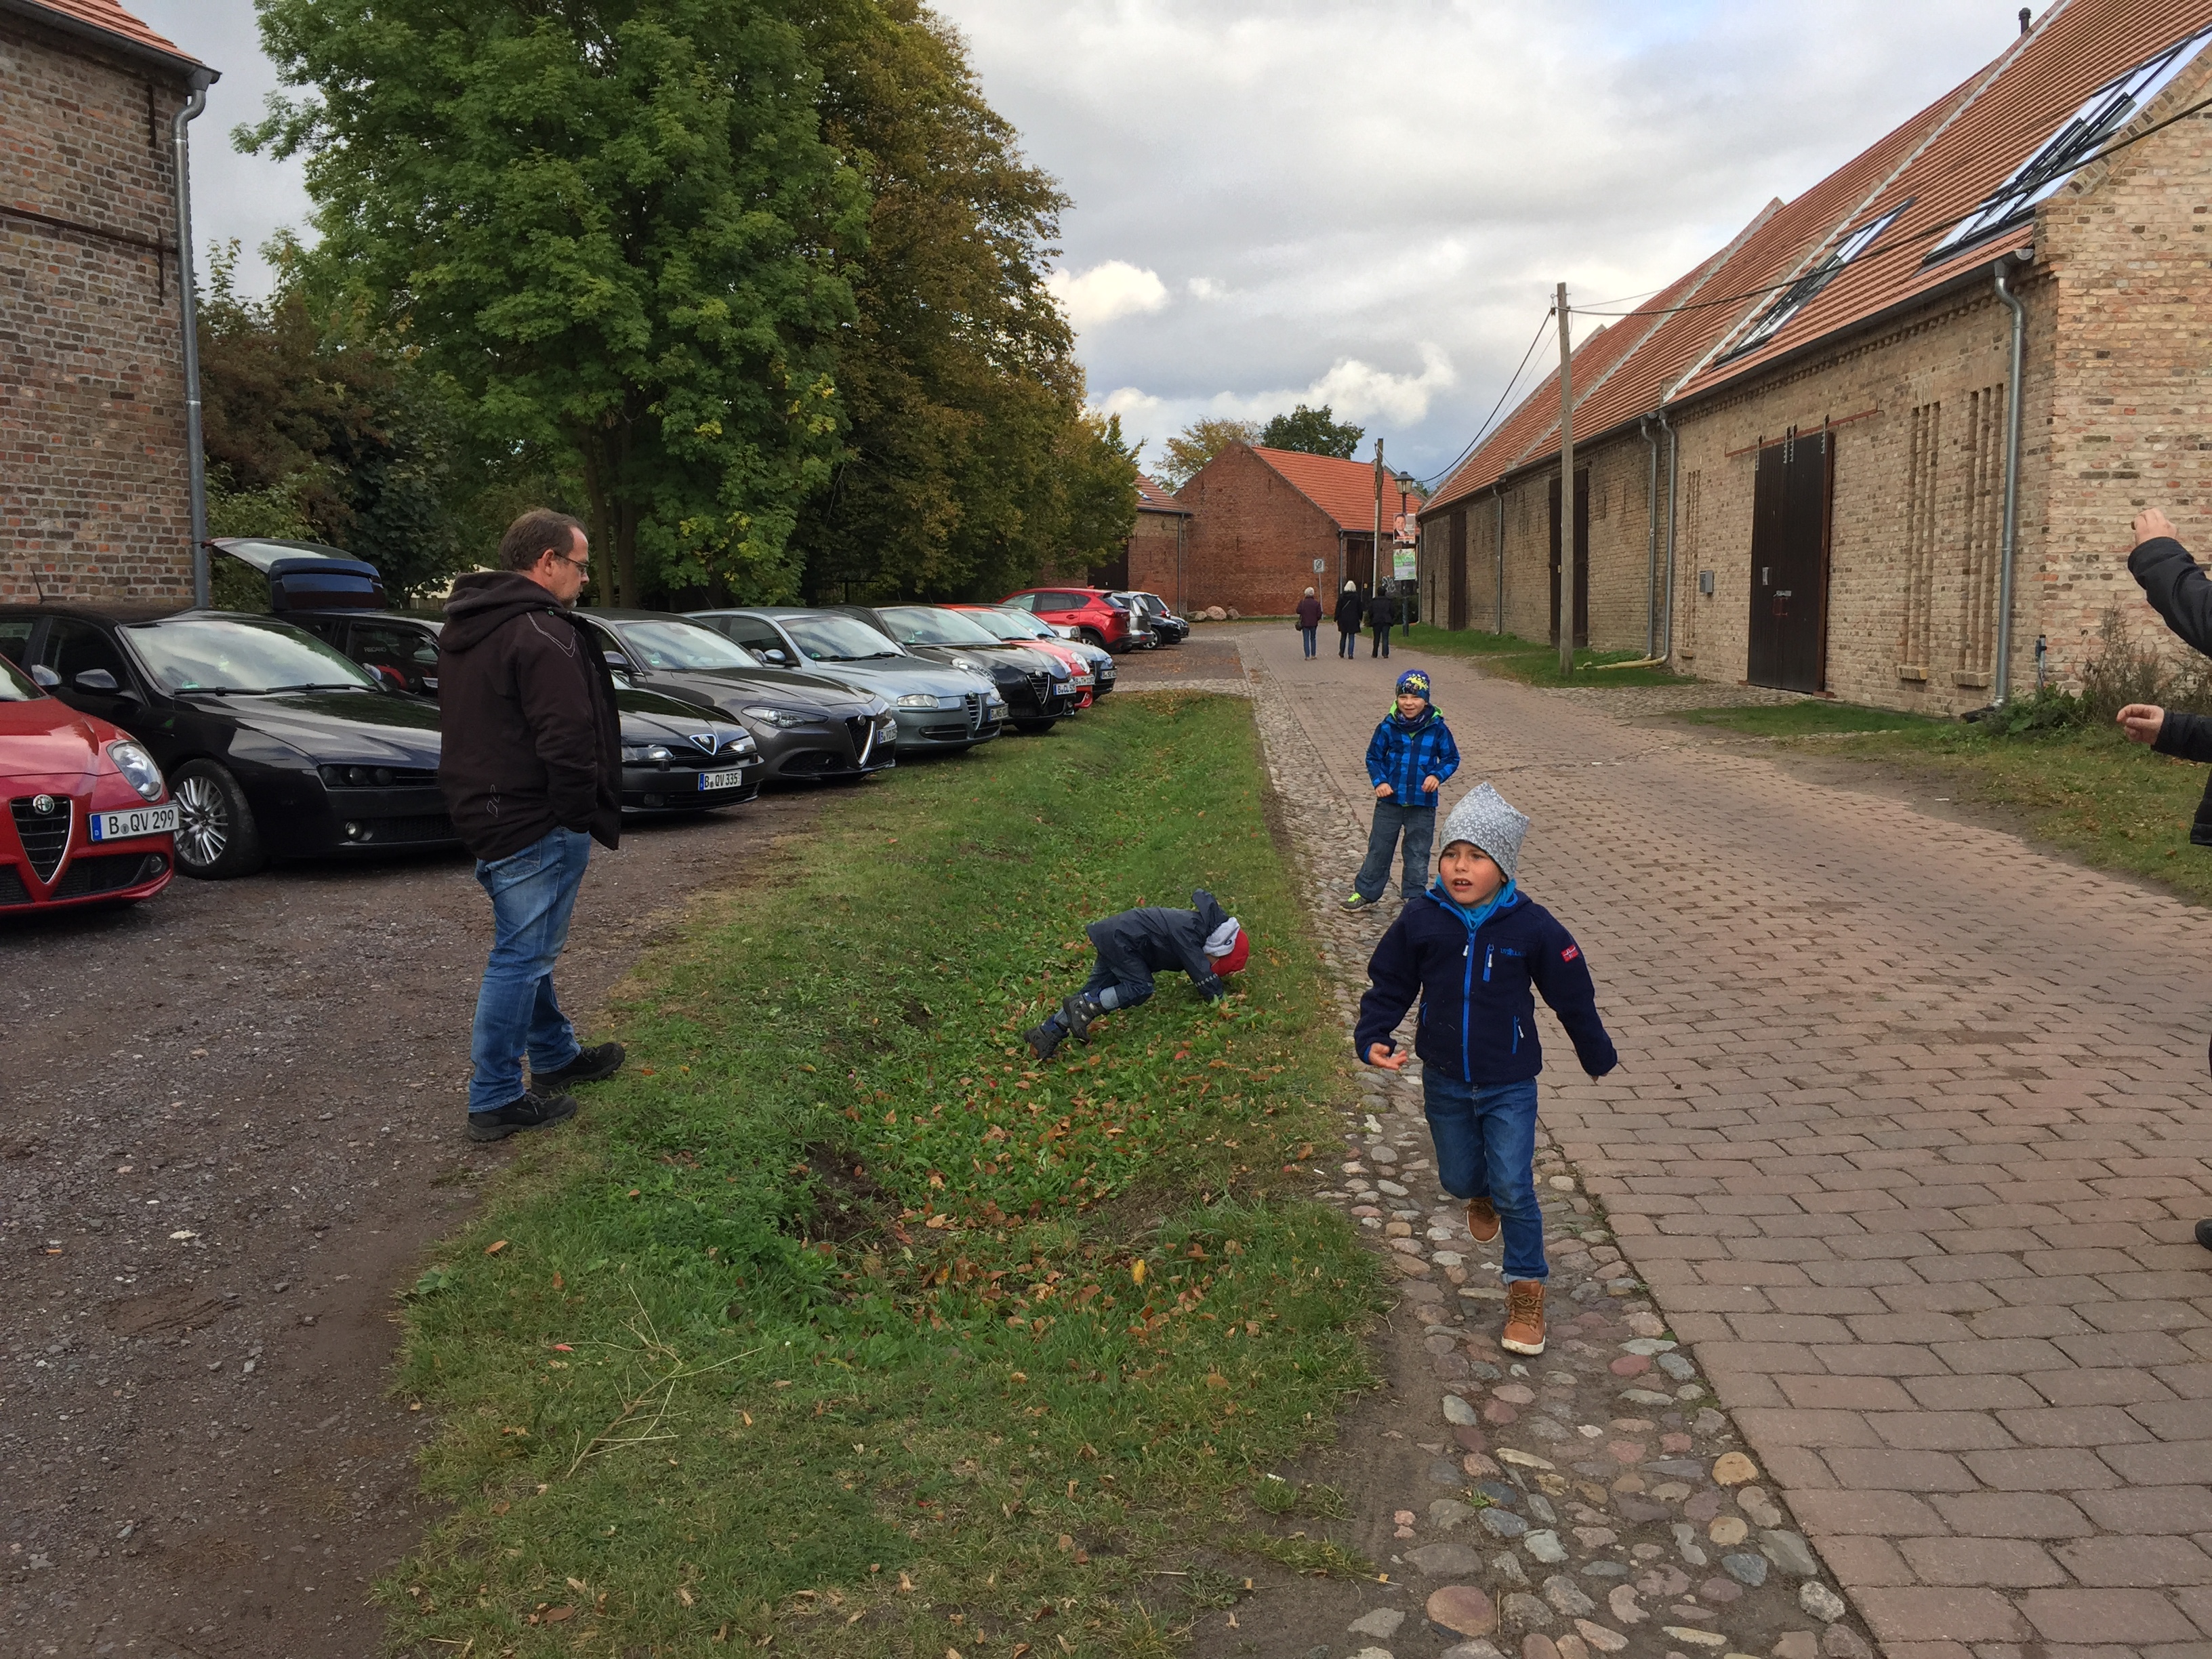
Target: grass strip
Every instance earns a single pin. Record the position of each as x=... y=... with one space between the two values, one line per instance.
x=835 y=1322
x=2085 y=791
x=1510 y=656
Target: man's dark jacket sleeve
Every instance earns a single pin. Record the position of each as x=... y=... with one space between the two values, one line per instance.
x=2176 y=586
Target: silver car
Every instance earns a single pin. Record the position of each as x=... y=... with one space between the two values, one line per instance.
x=937 y=706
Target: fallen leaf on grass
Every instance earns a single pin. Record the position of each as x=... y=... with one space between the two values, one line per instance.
x=495 y=1246
x=906 y=1584
x=683 y=1595
x=558 y=1615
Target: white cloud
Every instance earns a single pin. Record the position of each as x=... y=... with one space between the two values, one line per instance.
x=1116 y=289
x=1204 y=288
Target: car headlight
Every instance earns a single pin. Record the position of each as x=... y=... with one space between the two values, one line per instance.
x=769 y=716
x=739 y=742
x=646 y=751
x=920 y=700
x=970 y=665
x=994 y=701
x=138 y=768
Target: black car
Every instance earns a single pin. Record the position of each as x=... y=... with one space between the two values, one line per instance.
x=1039 y=689
x=677 y=756
x=1168 y=629
x=807 y=727
x=275 y=745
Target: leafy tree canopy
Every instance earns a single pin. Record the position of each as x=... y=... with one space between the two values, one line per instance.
x=1198 y=443
x=615 y=226
x=1313 y=432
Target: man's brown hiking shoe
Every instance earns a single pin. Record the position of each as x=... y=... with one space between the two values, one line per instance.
x=1524 y=1317
x=1482 y=1222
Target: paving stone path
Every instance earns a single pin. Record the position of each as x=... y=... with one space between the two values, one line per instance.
x=1872 y=1264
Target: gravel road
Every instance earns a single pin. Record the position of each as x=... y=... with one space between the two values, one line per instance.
x=230 y=1120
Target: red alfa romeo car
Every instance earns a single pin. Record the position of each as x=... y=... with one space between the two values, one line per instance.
x=89 y=820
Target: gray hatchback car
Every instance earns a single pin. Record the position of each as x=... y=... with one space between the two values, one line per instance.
x=937 y=706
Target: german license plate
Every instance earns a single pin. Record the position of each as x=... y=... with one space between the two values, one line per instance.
x=138 y=820
x=1085 y=679
x=734 y=779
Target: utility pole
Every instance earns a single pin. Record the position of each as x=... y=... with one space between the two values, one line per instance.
x=1566 y=493
x=1375 y=553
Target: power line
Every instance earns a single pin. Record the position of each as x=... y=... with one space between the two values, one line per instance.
x=1899 y=241
x=1483 y=431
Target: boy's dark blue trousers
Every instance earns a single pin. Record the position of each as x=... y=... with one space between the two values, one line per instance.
x=1486 y=1140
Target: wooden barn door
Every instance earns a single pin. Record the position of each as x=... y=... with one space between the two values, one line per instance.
x=1790 y=497
x=1582 y=559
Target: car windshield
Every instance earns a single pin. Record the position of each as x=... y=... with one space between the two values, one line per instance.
x=1011 y=624
x=838 y=639
x=16 y=686
x=241 y=654
x=682 y=644
x=921 y=624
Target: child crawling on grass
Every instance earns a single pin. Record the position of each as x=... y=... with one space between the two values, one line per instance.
x=1205 y=942
x=1472 y=948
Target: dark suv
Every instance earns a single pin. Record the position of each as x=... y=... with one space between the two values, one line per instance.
x=1103 y=618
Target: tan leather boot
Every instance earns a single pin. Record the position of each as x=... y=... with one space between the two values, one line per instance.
x=1524 y=1317
x=1482 y=1222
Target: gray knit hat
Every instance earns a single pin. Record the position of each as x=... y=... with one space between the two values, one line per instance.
x=1486 y=820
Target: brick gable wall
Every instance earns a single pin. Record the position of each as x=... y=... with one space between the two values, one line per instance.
x=1254 y=537
x=94 y=499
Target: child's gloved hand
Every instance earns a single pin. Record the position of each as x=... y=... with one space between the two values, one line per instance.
x=1379 y=1054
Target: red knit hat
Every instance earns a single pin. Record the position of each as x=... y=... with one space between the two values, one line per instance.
x=1239 y=954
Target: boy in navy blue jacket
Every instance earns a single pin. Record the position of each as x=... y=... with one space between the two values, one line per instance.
x=1474 y=949
x=1408 y=758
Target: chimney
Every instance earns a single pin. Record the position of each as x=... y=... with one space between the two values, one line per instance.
x=2024 y=15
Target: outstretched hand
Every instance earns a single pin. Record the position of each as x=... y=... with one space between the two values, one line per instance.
x=2141 y=722
x=2151 y=523
x=1379 y=1054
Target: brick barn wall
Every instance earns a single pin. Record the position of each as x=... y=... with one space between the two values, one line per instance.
x=1619 y=545
x=1254 y=537
x=1529 y=557
x=93 y=499
x=2128 y=243
x=1152 y=557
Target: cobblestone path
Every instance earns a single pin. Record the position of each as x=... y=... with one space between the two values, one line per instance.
x=1901 y=1163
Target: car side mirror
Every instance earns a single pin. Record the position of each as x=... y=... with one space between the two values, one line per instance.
x=44 y=677
x=97 y=679
x=618 y=662
x=770 y=653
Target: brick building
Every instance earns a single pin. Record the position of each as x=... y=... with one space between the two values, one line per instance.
x=1792 y=465
x=1267 y=524
x=1152 y=561
x=94 y=490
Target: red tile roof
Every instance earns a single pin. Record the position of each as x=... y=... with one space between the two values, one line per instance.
x=1938 y=167
x=1151 y=498
x=1343 y=489
x=111 y=19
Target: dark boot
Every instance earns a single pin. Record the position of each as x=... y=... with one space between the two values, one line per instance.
x=533 y=1111
x=590 y=1066
x=1045 y=1039
x=1077 y=1014
x=2204 y=1234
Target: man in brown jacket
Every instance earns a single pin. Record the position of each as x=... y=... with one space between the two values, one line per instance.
x=531 y=771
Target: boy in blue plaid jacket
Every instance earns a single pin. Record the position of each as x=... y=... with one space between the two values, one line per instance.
x=1408 y=758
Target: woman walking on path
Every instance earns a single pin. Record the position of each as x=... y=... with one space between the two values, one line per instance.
x=1350 y=610
x=1309 y=620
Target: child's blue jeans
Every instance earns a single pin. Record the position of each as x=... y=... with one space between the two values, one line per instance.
x=1485 y=1141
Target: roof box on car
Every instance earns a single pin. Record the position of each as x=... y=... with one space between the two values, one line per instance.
x=308 y=576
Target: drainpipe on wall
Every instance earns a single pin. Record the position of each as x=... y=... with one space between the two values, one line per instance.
x=1651 y=544
x=2010 y=536
x=1666 y=647
x=1498 y=495
x=195 y=456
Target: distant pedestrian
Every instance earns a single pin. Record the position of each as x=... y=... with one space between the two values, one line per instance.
x=1349 y=609
x=1472 y=948
x=1381 y=611
x=1408 y=758
x=1309 y=620
x=532 y=772
x=1204 y=941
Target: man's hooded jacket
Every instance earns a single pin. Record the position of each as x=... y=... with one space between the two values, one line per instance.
x=532 y=742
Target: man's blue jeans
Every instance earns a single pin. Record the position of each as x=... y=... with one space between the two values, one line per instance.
x=533 y=893
x=1485 y=1141
x=1420 y=826
x=1381 y=643
x=1309 y=633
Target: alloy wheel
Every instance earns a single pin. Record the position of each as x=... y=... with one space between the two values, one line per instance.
x=202 y=821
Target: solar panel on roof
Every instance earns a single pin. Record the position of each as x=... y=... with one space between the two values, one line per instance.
x=2101 y=114
x=1800 y=293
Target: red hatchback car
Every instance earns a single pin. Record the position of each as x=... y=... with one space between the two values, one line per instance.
x=89 y=820
x=1093 y=612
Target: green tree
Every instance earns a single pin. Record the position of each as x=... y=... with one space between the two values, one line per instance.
x=969 y=463
x=1183 y=455
x=1313 y=432
x=614 y=224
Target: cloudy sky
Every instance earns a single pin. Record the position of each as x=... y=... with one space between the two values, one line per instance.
x=1287 y=200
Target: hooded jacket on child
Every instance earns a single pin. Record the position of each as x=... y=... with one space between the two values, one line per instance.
x=1402 y=752
x=1138 y=943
